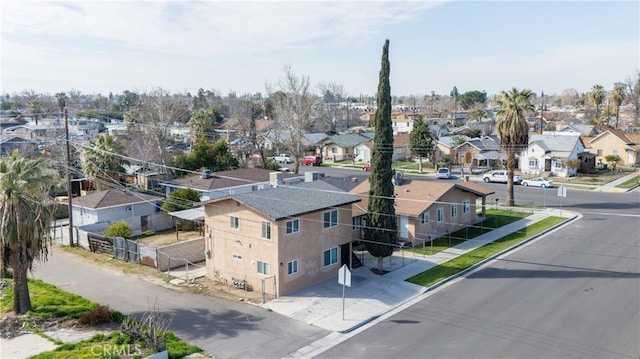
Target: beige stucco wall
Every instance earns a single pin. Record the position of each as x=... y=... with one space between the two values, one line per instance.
x=608 y=143
x=307 y=246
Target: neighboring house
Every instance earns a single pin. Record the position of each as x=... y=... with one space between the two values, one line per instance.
x=142 y=177
x=401 y=123
x=483 y=151
x=280 y=239
x=115 y=205
x=426 y=209
x=547 y=154
x=36 y=131
x=363 y=151
x=341 y=147
x=581 y=129
x=25 y=146
x=211 y=185
x=617 y=142
x=401 y=150
x=445 y=145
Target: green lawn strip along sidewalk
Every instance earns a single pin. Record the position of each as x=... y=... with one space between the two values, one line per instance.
x=465 y=261
x=54 y=304
x=630 y=183
x=495 y=218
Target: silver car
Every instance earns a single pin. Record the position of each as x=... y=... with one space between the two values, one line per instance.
x=538 y=182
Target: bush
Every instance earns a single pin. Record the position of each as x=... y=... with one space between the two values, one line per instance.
x=119 y=229
x=98 y=315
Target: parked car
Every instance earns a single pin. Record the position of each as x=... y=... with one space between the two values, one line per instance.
x=178 y=146
x=283 y=158
x=367 y=167
x=443 y=173
x=500 y=177
x=312 y=160
x=284 y=169
x=538 y=182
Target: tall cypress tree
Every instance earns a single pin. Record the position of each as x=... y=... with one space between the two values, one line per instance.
x=381 y=231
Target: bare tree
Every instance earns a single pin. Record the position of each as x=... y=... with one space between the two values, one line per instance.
x=335 y=112
x=292 y=104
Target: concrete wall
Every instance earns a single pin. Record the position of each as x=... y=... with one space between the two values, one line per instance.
x=175 y=255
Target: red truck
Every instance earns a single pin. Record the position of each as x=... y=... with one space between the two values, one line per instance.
x=312 y=160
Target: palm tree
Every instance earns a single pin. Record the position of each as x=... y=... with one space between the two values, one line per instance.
x=61 y=100
x=26 y=221
x=617 y=95
x=103 y=160
x=513 y=129
x=597 y=96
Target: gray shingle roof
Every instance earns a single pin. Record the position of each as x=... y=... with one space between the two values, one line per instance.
x=290 y=201
x=112 y=198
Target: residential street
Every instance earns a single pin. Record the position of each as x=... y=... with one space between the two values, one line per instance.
x=223 y=329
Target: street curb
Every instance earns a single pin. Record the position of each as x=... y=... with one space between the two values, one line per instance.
x=465 y=271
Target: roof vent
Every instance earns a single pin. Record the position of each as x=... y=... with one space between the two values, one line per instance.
x=206 y=173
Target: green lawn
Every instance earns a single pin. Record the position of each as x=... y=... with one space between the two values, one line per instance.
x=57 y=305
x=630 y=183
x=495 y=218
x=458 y=264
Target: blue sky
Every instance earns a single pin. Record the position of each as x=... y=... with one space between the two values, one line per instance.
x=181 y=46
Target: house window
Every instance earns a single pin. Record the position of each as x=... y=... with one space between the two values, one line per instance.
x=334 y=150
x=533 y=163
x=330 y=219
x=466 y=207
x=440 y=214
x=263 y=268
x=266 y=230
x=600 y=152
x=330 y=256
x=355 y=223
x=234 y=222
x=237 y=257
x=454 y=210
x=254 y=188
x=615 y=152
x=292 y=267
x=424 y=217
x=293 y=226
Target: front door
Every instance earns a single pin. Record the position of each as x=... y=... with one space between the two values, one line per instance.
x=404 y=227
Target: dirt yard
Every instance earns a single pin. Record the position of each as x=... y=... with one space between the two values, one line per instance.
x=168 y=237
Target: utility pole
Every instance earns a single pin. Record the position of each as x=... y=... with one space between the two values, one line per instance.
x=541 y=111
x=68 y=164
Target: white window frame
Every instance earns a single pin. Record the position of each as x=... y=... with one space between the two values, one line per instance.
x=292 y=226
x=266 y=230
x=454 y=210
x=292 y=267
x=234 y=222
x=440 y=214
x=424 y=217
x=355 y=223
x=263 y=268
x=466 y=206
x=330 y=223
x=333 y=257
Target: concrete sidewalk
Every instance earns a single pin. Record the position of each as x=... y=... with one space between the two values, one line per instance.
x=371 y=295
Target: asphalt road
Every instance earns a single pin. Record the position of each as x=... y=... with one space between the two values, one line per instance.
x=221 y=328
x=574 y=293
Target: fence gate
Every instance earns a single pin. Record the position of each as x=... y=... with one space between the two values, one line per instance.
x=126 y=250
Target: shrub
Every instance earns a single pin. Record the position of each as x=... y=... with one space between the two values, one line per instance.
x=98 y=315
x=119 y=229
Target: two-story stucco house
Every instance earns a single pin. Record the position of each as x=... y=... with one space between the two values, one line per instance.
x=426 y=209
x=279 y=239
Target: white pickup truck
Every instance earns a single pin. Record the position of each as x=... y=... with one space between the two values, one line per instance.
x=283 y=158
x=500 y=176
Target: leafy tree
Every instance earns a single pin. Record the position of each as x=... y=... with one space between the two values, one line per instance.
x=612 y=160
x=421 y=140
x=617 y=95
x=596 y=96
x=382 y=229
x=103 y=160
x=128 y=100
x=477 y=114
x=200 y=101
x=203 y=123
x=455 y=95
x=470 y=98
x=181 y=199
x=573 y=164
x=214 y=156
x=26 y=221
x=119 y=229
x=513 y=129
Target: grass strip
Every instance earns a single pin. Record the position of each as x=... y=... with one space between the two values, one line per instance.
x=630 y=183
x=460 y=263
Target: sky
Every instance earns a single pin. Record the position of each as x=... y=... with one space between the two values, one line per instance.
x=244 y=46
